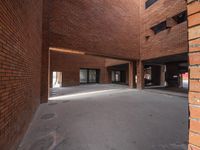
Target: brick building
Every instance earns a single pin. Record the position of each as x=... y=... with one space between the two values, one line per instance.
x=127 y=40
x=194 y=61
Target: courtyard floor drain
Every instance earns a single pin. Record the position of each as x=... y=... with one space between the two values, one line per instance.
x=51 y=104
x=48 y=116
x=66 y=101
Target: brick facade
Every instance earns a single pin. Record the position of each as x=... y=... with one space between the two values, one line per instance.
x=194 y=60
x=108 y=28
x=168 y=42
x=20 y=64
x=70 y=64
x=45 y=58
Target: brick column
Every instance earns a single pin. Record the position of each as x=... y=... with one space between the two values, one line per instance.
x=194 y=61
x=108 y=76
x=140 y=75
x=162 y=76
x=45 y=71
x=132 y=73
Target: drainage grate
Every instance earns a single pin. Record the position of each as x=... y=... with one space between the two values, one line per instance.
x=47 y=116
x=51 y=104
x=66 y=101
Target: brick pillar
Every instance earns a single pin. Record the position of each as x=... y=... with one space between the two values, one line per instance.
x=132 y=73
x=162 y=75
x=194 y=69
x=140 y=75
x=107 y=75
x=45 y=71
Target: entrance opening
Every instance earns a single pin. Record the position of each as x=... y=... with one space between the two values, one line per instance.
x=118 y=76
x=57 y=79
x=167 y=73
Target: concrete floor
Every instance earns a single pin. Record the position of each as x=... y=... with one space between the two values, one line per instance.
x=109 y=117
x=172 y=90
x=169 y=91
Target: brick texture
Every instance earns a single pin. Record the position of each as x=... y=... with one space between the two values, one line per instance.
x=194 y=45
x=70 y=64
x=168 y=42
x=194 y=125
x=108 y=28
x=194 y=97
x=20 y=59
x=45 y=58
x=116 y=29
x=194 y=60
x=192 y=147
x=114 y=62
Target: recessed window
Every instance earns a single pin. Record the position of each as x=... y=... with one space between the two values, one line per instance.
x=89 y=75
x=149 y=3
x=181 y=17
x=159 y=27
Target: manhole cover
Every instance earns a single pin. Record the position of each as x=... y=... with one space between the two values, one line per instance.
x=48 y=116
x=51 y=104
x=66 y=101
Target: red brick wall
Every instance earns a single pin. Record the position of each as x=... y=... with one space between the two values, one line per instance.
x=194 y=60
x=168 y=42
x=45 y=59
x=20 y=59
x=101 y=27
x=107 y=27
x=70 y=64
x=114 y=62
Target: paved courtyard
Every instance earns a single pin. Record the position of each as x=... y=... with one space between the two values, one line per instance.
x=109 y=117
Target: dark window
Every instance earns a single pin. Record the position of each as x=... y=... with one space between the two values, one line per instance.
x=149 y=3
x=181 y=17
x=83 y=75
x=159 y=27
x=89 y=75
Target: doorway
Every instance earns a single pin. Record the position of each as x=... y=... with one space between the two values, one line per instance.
x=118 y=76
x=57 y=79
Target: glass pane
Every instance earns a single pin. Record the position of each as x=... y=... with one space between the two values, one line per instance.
x=149 y=3
x=83 y=76
x=159 y=27
x=92 y=76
